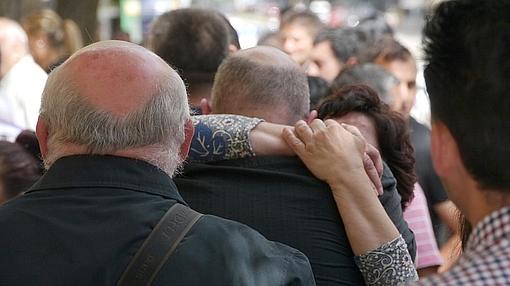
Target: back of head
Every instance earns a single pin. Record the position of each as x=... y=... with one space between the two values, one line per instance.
x=466 y=45
x=193 y=41
x=345 y=42
x=114 y=98
x=63 y=35
x=374 y=76
x=392 y=131
x=18 y=170
x=263 y=82
x=374 y=28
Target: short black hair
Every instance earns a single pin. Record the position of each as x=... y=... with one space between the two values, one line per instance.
x=234 y=36
x=345 y=42
x=193 y=41
x=467 y=76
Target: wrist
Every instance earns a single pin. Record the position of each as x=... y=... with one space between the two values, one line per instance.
x=353 y=186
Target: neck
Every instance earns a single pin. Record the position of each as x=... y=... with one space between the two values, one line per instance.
x=52 y=57
x=156 y=155
x=484 y=202
x=198 y=92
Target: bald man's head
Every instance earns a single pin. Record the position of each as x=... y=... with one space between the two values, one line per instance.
x=263 y=82
x=114 y=96
x=13 y=44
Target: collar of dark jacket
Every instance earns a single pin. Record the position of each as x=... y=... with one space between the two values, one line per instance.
x=107 y=172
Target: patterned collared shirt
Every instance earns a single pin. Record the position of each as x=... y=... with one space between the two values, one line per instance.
x=486 y=260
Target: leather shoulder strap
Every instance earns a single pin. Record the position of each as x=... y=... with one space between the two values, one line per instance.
x=160 y=244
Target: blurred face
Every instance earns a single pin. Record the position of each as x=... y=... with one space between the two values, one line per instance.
x=364 y=123
x=39 y=48
x=405 y=72
x=297 y=42
x=324 y=59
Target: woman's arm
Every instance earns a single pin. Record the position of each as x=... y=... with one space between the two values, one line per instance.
x=335 y=154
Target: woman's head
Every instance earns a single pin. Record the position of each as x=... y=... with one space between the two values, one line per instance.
x=360 y=106
x=50 y=37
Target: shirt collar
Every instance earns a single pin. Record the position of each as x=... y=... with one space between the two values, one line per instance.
x=491 y=229
x=107 y=172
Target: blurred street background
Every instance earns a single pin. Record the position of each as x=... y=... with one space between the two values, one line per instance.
x=130 y=19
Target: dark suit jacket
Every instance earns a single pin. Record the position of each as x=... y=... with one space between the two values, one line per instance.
x=84 y=220
x=281 y=199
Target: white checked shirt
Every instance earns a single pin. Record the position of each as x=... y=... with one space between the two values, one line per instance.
x=486 y=260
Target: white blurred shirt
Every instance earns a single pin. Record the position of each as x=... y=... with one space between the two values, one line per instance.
x=20 y=94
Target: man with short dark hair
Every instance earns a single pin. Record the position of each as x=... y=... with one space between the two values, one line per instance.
x=114 y=127
x=333 y=50
x=275 y=194
x=194 y=42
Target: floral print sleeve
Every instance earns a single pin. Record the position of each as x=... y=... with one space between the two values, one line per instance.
x=389 y=264
x=221 y=137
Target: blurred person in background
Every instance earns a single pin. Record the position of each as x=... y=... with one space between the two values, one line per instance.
x=298 y=30
x=333 y=50
x=194 y=42
x=51 y=39
x=21 y=79
x=374 y=28
x=385 y=84
x=398 y=60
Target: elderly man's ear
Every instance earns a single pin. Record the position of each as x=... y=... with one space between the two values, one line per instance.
x=205 y=106
x=189 y=131
x=232 y=49
x=41 y=131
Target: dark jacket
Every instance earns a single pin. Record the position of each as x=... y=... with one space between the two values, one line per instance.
x=88 y=215
x=281 y=199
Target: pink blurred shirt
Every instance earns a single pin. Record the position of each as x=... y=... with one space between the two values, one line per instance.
x=418 y=218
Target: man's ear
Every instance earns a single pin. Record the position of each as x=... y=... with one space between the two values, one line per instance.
x=189 y=131
x=205 y=106
x=41 y=131
x=444 y=149
x=232 y=49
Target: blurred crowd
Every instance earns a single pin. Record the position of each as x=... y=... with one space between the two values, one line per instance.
x=91 y=105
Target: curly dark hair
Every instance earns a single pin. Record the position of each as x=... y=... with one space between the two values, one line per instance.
x=392 y=131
